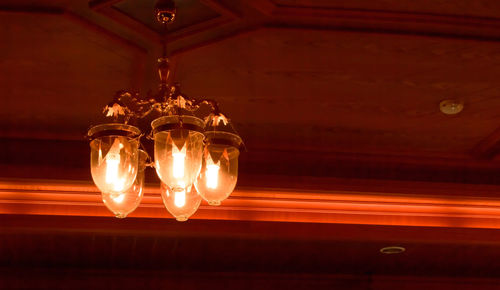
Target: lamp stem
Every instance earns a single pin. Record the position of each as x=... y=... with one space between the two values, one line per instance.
x=163 y=63
x=164 y=42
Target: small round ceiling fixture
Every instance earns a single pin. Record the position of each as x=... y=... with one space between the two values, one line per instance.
x=392 y=250
x=451 y=106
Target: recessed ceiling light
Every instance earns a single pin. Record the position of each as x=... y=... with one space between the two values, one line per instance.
x=392 y=250
x=451 y=106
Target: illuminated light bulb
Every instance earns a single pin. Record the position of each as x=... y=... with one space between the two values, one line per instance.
x=112 y=160
x=123 y=203
x=181 y=203
x=212 y=173
x=179 y=162
x=118 y=198
x=180 y=198
x=178 y=150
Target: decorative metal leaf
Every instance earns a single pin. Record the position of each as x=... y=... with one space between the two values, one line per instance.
x=215 y=120
x=181 y=102
x=114 y=110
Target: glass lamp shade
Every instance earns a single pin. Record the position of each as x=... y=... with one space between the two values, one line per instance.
x=114 y=158
x=178 y=150
x=181 y=203
x=123 y=203
x=219 y=172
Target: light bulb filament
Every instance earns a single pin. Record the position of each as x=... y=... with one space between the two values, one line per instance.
x=118 y=198
x=112 y=167
x=179 y=160
x=180 y=198
x=212 y=173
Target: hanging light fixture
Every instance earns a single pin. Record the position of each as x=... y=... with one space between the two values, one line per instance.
x=195 y=156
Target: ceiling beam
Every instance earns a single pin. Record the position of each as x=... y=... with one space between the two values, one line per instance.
x=400 y=203
x=403 y=22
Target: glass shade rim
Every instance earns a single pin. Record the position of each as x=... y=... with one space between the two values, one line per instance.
x=113 y=129
x=217 y=137
x=168 y=123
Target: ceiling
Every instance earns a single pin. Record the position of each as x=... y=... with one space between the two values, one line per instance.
x=337 y=81
x=319 y=90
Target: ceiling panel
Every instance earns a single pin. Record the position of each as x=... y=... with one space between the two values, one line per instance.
x=349 y=90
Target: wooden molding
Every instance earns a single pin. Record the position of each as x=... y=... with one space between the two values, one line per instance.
x=375 y=20
x=106 y=8
x=396 y=204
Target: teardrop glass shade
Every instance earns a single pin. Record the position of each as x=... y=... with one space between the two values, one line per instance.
x=123 y=203
x=114 y=158
x=219 y=172
x=182 y=204
x=178 y=150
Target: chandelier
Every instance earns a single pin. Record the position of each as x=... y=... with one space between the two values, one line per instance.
x=196 y=148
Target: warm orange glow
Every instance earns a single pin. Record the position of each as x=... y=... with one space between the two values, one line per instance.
x=112 y=160
x=405 y=205
x=212 y=172
x=178 y=152
x=114 y=163
x=125 y=202
x=178 y=165
x=118 y=197
x=218 y=178
x=180 y=203
x=180 y=198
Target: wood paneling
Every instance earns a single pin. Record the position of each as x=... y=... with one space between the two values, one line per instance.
x=349 y=91
x=236 y=250
x=54 y=66
x=154 y=279
x=286 y=89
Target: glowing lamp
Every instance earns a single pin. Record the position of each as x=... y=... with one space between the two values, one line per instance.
x=178 y=150
x=123 y=203
x=114 y=157
x=219 y=172
x=181 y=203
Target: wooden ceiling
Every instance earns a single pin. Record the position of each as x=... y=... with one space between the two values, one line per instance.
x=338 y=103
x=324 y=77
